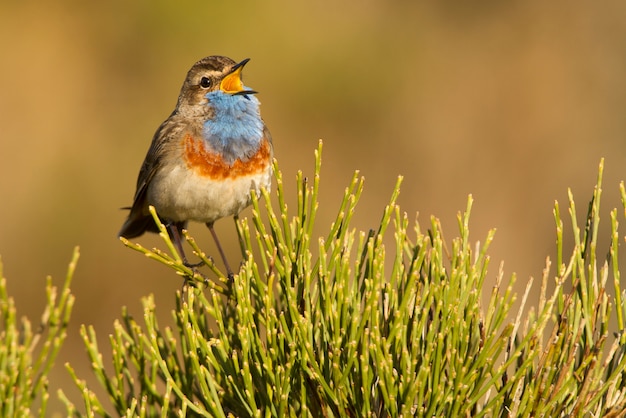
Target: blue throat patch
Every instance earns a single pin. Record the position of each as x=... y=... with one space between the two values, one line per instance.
x=236 y=129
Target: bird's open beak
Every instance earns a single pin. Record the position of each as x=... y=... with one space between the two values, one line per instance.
x=232 y=84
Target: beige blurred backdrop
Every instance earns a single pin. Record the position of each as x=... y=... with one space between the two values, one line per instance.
x=511 y=101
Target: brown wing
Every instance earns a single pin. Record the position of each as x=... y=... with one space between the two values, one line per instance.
x=139 y=220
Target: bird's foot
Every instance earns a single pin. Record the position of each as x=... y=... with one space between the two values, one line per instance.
x=196 y=279
x=193 y=265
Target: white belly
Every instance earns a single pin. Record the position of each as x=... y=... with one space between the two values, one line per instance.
x=179 y=195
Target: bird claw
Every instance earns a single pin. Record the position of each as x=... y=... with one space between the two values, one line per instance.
x=193 y=265
x=189 y=280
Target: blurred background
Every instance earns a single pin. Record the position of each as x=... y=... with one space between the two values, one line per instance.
x=512 y=102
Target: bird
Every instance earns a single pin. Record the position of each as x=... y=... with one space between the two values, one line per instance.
x=206 y=158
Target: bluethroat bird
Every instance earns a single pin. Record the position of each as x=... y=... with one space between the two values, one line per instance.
x=207 y=156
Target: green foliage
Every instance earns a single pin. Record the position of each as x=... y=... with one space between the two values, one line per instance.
x=27 y=354
x=390 y=322
x=385 y=323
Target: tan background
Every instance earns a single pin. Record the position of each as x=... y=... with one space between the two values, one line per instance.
x=512 y=101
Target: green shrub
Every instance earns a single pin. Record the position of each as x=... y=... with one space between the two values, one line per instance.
x=388 y=322
x=27 y=354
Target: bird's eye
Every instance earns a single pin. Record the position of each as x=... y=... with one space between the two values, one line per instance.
x=205 y=82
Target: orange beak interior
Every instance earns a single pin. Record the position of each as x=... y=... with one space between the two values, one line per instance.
x=232 y=82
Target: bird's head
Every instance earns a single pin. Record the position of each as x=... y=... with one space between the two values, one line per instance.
x=213 y=76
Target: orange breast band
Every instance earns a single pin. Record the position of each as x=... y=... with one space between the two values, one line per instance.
x=212 y=165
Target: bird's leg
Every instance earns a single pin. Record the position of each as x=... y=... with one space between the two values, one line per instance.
x=175 y=230
x=229 y=272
